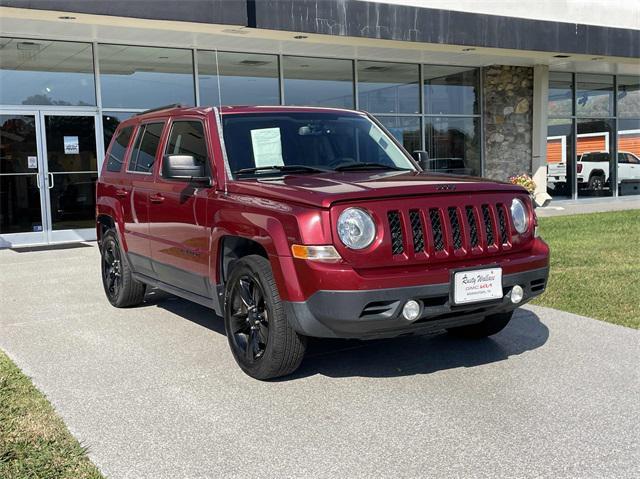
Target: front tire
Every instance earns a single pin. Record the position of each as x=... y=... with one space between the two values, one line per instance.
x=487 y=327
x=121 y=288
x=263 y=343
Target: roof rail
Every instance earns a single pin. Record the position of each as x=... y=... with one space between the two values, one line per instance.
x=160 y=108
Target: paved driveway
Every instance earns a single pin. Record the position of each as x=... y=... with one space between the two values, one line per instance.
x=153 y=391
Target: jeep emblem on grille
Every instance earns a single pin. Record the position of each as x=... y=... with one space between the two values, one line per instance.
x=445 y=187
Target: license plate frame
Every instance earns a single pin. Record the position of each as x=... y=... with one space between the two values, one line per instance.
x=474 y=285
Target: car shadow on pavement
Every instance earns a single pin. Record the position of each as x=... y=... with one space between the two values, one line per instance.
x=403 y=356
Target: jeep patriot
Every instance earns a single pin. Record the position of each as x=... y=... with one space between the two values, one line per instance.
x=291 y=222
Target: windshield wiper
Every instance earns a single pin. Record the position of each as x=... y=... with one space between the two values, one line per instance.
x=356 y=165
x=280 y=168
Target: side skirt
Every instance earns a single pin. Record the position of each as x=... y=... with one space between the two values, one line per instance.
x=213 y=303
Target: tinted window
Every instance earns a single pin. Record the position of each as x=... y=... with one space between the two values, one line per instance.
x=118 y=149
x=146 y=147
x=388 y=87
x=110 y=122
x=318 y=82
x=451 y=90
x=595 y=157
x=187 y=138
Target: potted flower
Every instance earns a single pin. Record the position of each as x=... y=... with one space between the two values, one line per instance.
x=526 y=182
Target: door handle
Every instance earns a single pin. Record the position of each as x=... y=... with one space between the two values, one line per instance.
x=50 y=176
x=38 y=184
x=121 y=193
x=158 y=198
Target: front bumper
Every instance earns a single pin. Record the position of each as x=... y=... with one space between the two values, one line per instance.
x=368 y=314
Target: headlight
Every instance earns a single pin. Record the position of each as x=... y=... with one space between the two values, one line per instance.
x=519 y=215
x=356 y=228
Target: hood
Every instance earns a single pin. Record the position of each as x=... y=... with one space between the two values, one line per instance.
x=325 y=189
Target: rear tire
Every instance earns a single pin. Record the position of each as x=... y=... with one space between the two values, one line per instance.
x=263 y=343
x=121 y=288
x=489 y=326
x=596 y=182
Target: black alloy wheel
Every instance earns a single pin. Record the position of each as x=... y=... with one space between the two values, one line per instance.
x=111 y=269
x=249 y=319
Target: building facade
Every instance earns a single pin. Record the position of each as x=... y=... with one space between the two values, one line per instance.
x=482 y=92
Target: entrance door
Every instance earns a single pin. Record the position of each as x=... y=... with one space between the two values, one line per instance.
x=48 y=170
x=71 y=165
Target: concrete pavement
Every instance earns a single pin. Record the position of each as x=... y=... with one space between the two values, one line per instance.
x=154 y=392
x=589 y=205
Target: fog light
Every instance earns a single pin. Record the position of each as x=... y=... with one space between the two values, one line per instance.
x=411 y=310
x=516 y=294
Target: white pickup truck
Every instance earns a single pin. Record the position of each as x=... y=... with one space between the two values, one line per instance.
x=592 y=170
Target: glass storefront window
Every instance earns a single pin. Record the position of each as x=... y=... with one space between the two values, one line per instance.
x=560 y=158
x=318 y=82
x=41 y=72
x=451 y=90
x=406 y=129
x=628 y=96
x=453 y=145
x=110 y=121
x=560 y=94
x=594 y=159
x=629 y=157
x=245 y=78
x=594 y=95
x=388 y=87
x=145 y=77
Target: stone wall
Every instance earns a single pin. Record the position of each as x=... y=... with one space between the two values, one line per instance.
x=508 y=120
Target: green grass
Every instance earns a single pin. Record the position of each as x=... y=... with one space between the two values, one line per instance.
x=595 y=265
x=34 y=442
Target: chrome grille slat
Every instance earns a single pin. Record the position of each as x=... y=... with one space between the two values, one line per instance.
x=397 y=238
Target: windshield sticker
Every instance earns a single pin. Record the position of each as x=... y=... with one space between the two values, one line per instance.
x=267 y=147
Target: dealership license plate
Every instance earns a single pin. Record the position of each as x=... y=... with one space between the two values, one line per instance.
x=477 y=285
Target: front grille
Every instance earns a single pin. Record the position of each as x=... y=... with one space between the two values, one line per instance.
x=473 y=227
x=502 y=223
x=416 y=231
x=395 y=226
x=430 y=233
x=436 y=229
x=488 y=224
x=455 y=227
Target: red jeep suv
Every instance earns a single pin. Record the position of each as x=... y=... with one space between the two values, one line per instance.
x=292 y=222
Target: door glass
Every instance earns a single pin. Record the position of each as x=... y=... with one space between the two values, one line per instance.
x=72 y=166
x=594 y=160
x=19 y=195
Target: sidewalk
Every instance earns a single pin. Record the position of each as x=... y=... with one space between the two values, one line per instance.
x=588 y=205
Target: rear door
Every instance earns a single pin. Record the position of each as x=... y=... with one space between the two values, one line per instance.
x=139 y=172
x=178 y=215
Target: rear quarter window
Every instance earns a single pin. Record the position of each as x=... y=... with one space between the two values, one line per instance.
x=118 y=149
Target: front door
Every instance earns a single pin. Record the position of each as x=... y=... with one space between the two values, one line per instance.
x=48 y=170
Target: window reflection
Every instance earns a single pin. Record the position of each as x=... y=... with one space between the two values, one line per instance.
x=629 y=96
x=560 y=163
x=245 y=78
x=318 y=82
x=41 y=72
x=560 y=94
x=451 y=90
x=594 y=144
x=594 y=95
x=629 y=157
x=145 y=77
x=388 y=87
x=453 y=145
x=406 y=129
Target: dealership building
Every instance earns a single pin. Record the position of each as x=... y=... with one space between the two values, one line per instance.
x=492 y=89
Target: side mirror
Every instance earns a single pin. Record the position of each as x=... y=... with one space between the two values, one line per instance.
x=183 y=167
x=422 y=157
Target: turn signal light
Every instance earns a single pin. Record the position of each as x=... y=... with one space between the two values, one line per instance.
x=315 y=253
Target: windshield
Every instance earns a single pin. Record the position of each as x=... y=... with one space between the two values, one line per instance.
x=303 y=142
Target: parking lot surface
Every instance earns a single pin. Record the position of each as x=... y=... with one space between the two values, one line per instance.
x=154 y=392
